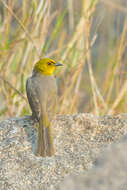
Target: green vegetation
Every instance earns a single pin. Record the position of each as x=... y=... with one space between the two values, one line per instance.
x=88 y=36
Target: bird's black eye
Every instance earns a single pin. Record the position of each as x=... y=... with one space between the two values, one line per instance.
x=49 y=63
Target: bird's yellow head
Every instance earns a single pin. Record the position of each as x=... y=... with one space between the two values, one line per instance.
x=46 y=66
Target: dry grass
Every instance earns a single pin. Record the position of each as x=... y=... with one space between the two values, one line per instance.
x=88 y=36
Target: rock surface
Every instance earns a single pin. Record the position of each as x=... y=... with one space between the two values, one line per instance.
x=109 y=171
x=78 y=139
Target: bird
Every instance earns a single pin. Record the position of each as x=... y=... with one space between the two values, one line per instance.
x=41 y=92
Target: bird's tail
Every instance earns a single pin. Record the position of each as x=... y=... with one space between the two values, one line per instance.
x=45 y=145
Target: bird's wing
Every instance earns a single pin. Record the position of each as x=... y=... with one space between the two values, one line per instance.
x=33 y=98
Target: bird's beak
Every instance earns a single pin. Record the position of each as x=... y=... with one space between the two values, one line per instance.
x=58 y=64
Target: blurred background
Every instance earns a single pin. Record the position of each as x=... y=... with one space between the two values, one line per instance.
x=88 y=36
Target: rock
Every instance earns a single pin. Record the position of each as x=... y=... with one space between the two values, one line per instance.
x=109 y=172
x=78 y=139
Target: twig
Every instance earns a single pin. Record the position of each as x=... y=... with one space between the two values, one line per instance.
x=21 y=24
x=11 y=86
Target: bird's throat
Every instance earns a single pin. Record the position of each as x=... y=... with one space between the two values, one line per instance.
x=44 y=72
